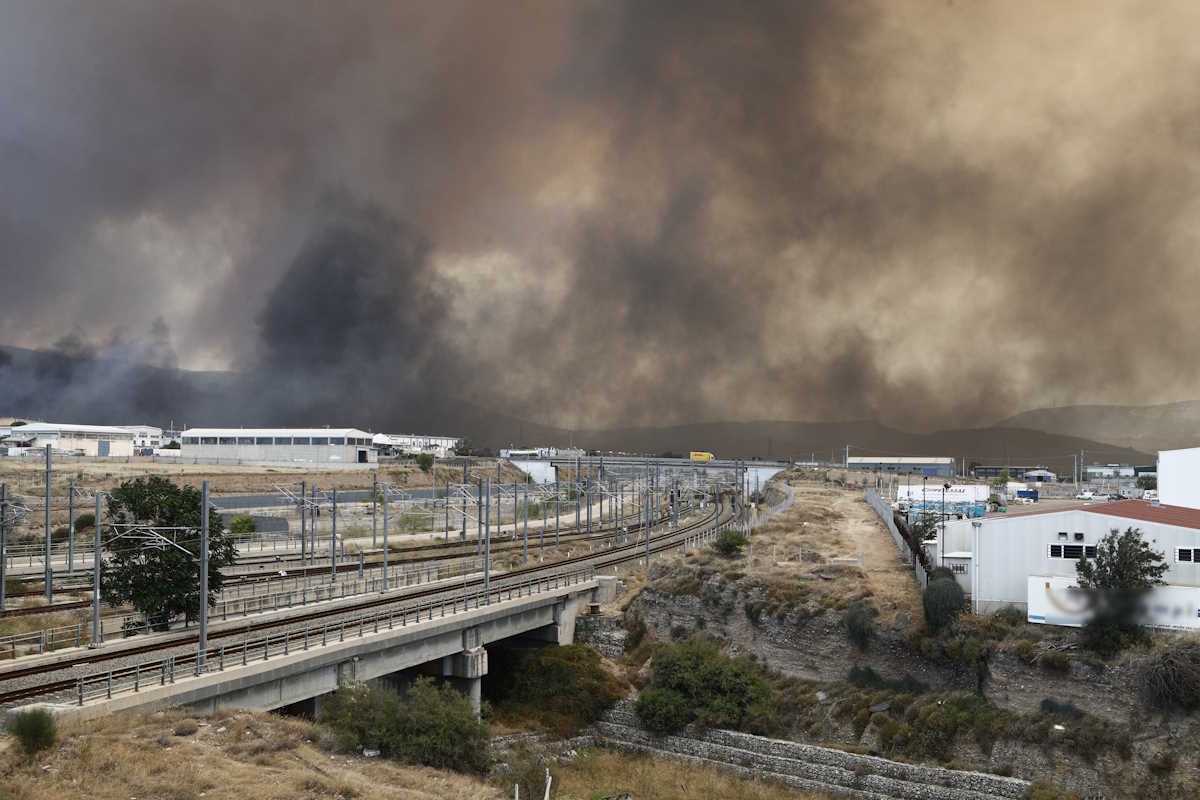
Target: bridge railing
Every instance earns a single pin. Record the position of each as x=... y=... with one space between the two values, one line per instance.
x=167 y=670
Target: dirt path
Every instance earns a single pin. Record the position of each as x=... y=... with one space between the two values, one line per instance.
x=890 y=577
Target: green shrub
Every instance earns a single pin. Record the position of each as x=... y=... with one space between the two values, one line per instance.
x=943 y=601
x=425 y=462
x=562 y=688
x=1171 y=678
x=36 y=730
x=860 y=623
x=242 y=523
x=867 y=678
x=431 y=725
x=85 y=521
x=60 y=534
x=941 y=573
x=663 y=711
x=1051 y=706
x=185 y=727
x=729 y=542
x=696 y=682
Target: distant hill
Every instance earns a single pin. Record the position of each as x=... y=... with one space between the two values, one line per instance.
x=1147 y=428
x=100 y=390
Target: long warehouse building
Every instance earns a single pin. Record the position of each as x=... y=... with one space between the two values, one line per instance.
x=280 y=445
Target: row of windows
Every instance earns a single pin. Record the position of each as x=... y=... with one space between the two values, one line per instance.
x=277 y=440
x=1191 y=554
x=1072 y=551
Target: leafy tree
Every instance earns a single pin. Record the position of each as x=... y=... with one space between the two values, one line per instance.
x=463 y=447
x=161 y=581
x=1147 y=481
x=242 y=523
x=730 y=542
x=1124 y=569
x=425 y=461
x=171 y=446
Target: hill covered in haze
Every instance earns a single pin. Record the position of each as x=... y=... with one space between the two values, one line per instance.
x=1146 y=428
x=90 y=389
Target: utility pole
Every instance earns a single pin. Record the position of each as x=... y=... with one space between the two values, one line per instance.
x=203 y=635
x=49 y=572
x=557 y=504
x=374 y=505
x=479 y=517
x=647 y=515
x=525 y=527
x=463 y=534
x=96 y=639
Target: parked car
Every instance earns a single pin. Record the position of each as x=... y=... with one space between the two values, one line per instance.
x=1086 y=494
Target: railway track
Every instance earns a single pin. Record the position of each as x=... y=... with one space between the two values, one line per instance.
x=617 y=555
x=396 y=557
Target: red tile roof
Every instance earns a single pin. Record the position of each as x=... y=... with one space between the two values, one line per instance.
x=1147 y=512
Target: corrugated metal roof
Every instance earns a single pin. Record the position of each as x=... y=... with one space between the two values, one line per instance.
x=276 y=432
x=1148 y=512
x=58 y=427
x=900 y=460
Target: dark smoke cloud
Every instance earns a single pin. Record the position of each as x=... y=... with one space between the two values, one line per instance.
x=599 y=213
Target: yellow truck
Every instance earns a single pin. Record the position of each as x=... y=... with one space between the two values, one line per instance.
x=699 y=456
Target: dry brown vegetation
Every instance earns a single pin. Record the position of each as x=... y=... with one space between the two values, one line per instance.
x=827 y=551
x=238 y=755
x=602 y=773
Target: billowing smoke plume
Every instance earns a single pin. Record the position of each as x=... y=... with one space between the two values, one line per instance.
x=601 y=213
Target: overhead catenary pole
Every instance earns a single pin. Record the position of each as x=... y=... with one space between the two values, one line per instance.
x=479 y=517
x=202 y=645
x=463 y=535
x=3 y=536
x=385 y=538
x=374 y=506
x=96 y=562
x=70 y=528
x=48 y=571
x=557 y=504
x=303 y=515
x=487 y=543
x=333 y=540
x=524 y=527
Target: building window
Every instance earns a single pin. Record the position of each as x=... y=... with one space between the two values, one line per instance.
x=208 y=440
x=1072 y=551
x=958 y=569
x=245 y=440
x=263 y=440
x=1189 y=554
x=337 y=440
x=191 y=440
x=283 y=440
x=228 y=440
x=1056 y=551
x=299 y=440
x=320 y=440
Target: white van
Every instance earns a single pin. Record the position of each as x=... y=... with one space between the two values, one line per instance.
x=1150 y=494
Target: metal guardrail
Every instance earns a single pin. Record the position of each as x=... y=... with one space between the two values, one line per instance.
x=166 y=670
x=884 y=510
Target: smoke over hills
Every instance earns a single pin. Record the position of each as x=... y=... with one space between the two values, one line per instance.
x=600 y=214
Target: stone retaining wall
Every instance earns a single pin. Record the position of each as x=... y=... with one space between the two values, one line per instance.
x=802 y=766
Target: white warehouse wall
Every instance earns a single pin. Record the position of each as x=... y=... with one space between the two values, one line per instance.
x=1179 y=477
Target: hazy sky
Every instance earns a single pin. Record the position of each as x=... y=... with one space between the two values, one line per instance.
x=596 y=213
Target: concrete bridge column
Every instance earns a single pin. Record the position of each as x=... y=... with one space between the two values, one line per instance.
x=467 y=668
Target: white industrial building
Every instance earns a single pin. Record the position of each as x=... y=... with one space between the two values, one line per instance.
x=145 y=437
x=916 y=465
x=415 y=444
x=1099 y=471
x=83 y=440
x=316 y=445
x=1028 y=560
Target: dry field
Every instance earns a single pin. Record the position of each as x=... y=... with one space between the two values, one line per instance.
x=827 y=550
x=240 y=755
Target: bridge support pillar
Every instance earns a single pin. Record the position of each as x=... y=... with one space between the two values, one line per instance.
x=467 y=668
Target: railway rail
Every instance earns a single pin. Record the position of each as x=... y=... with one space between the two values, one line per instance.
x=421 y=599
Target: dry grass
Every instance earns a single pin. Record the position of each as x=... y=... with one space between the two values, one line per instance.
x=236 y=756
x=601 y=773
x=825 y=552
